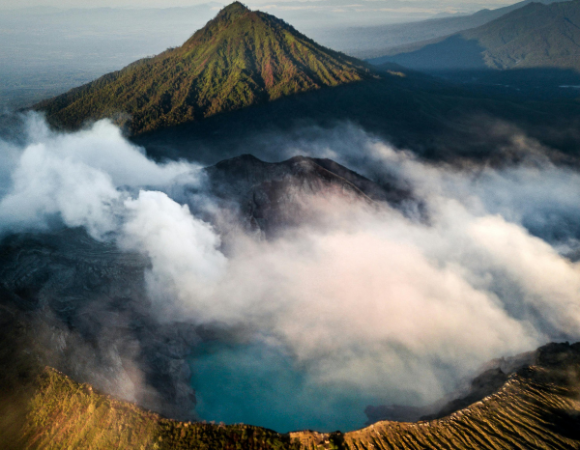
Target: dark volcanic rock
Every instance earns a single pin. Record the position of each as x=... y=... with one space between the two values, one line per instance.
x=271 y=196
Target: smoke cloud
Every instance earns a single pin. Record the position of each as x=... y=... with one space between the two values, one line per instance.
x=81 y=177
x=186 y=262
x=368 y=298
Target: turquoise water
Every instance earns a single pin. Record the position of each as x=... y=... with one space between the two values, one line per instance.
x=261 y=385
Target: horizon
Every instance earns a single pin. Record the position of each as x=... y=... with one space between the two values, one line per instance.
x=363 y=13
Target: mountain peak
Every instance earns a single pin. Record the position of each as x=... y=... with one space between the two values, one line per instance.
x=235 y=7
x=233 y=10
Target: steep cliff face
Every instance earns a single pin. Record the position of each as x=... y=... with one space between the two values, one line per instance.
x=489 y=380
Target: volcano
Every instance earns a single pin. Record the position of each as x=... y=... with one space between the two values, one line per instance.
x=240 y=58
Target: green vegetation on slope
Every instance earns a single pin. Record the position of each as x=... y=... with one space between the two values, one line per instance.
x=65 y=414
x=238 y=59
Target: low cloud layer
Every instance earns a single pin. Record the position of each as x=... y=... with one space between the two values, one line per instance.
x=371 y=299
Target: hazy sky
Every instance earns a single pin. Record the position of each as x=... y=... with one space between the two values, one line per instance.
x=427 y=6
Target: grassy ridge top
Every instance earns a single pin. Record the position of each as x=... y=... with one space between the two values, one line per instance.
x=66 y=414
x=239 y=58
x=538 y=408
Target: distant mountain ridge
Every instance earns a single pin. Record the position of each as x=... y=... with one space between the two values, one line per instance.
x=377 y=41
x=239 y=58
x=535 y=36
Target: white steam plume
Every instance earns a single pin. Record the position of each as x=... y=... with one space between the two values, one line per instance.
x=369 y=299
x=186 y=265
x=79 y=177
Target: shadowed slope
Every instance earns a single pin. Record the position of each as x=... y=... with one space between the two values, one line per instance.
x=375 y=41
x=238 y=59
x=535 y=36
